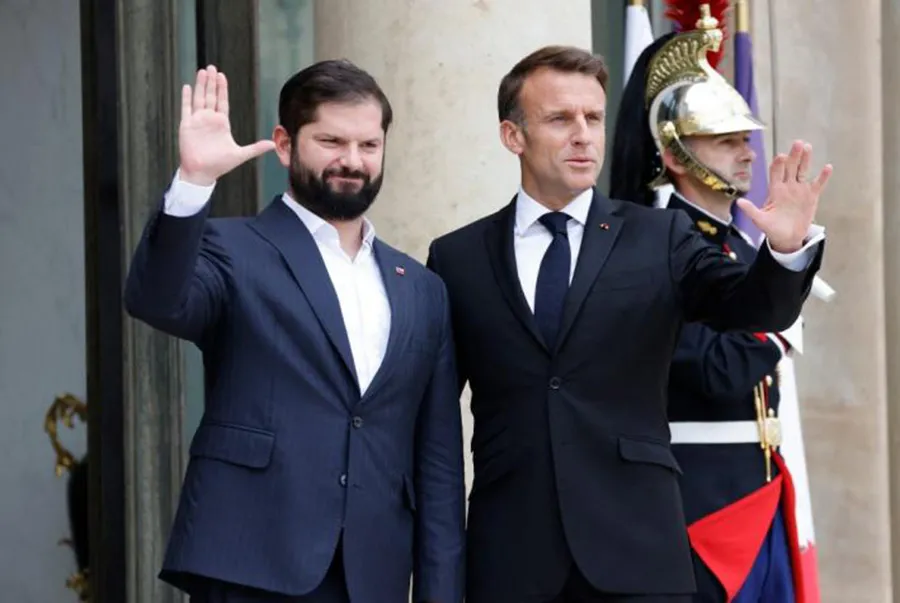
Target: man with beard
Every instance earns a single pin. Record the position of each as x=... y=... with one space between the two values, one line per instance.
x=723 y=387
x=328 y=463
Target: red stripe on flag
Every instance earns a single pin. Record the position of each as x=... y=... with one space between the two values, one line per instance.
x=809 y=566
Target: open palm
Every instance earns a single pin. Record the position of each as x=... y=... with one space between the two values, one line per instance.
x=205 y=144
x=793 y=199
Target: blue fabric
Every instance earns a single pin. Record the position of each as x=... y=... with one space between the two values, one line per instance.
x=771 y=579
x=553 y=278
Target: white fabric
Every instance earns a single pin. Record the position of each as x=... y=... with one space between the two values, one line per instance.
x=638 y=35
x=714 y=432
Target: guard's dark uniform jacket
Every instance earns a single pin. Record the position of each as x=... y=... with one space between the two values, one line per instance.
x=723 y=386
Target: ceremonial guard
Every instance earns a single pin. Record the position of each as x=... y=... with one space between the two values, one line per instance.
x=682 y=124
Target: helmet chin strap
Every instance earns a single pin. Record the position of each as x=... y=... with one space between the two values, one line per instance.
x=671 y=141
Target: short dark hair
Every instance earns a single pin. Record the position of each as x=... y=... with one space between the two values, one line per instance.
x=566 y=59
x=336 y=80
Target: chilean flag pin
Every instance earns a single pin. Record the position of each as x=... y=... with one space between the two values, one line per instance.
x=400 y=270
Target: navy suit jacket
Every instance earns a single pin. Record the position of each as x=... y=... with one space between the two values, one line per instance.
x=289 y=457
x=571 y=446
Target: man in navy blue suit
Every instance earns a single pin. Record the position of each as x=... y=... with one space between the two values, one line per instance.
x=328 y=464
x=567 y=307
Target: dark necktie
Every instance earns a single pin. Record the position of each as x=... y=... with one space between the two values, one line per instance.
x=553 y=278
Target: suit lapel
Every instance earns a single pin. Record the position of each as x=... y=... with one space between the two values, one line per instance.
x=600 y=234
x=399 y=288
x=279 y=225
x=501 y=251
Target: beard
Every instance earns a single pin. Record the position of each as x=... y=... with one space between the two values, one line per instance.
x=338 y=202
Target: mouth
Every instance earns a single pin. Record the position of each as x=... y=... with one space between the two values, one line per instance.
x=580 y=162
x=353 y=179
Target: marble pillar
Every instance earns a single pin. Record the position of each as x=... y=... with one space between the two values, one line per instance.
x=152 y=401
x=890 y=86
x=820 y=79
x=440 y=63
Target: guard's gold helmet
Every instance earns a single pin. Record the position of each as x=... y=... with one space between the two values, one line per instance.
x=685 y=96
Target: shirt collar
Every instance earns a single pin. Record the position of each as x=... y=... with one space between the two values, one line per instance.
x=529 y=211
x=322 y=230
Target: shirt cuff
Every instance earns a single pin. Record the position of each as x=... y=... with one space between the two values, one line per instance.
x=184 y=199
x=799 y=260
x=793 y=335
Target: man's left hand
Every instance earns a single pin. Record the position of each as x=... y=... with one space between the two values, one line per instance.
x=791 y=206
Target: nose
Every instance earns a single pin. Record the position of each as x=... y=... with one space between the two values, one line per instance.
x=751 y=155
x=748 y=154
x=581 y=134
x=351 y=158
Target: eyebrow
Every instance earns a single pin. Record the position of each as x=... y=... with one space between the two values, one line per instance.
x=568 y=112
x=336 y=137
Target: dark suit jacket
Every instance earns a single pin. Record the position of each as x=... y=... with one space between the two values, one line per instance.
x=571 y=445
x=289 y=457
x=712 y=379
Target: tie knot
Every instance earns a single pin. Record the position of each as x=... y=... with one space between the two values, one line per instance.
x=555 y=222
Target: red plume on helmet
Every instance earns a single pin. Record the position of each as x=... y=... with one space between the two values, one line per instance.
x=686 y=13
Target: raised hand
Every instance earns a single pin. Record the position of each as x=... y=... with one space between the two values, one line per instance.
x=791 y=206
x=205 y=144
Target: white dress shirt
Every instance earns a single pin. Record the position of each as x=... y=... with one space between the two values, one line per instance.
x=532 y=240
x=357 y=281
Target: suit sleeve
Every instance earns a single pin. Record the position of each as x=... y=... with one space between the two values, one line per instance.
x=762 y=297
x=179 y=276
x=440 y=481
x=721 y=366
x=462 y=374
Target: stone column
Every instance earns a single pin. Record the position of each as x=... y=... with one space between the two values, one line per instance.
x=890 y=86
x=825 y=87
x=440 y=63
x=135 y=382
x=153 y=393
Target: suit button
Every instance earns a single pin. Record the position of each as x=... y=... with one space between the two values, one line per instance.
x=357 y=422
x=343 y=480
x=555 y=382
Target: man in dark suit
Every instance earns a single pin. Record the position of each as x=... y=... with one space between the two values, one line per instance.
x=328 y=463
x=723 y=385
x=566 y=308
